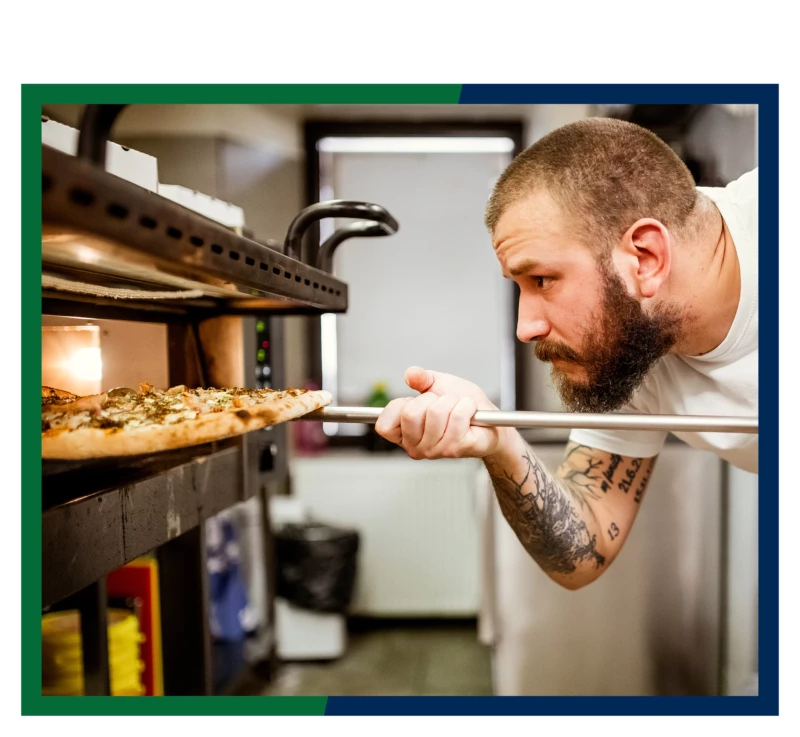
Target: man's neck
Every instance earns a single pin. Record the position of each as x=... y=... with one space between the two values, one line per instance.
x=711 y=286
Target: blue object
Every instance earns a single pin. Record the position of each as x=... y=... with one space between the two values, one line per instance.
x=231 y=616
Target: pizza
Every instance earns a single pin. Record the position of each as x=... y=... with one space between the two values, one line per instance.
x=126 y=422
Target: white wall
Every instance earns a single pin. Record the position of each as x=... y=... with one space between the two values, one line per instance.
x=432 y=294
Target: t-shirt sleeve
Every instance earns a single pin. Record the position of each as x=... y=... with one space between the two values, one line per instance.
x=633 y=443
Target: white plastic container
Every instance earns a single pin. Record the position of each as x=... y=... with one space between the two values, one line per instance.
x=306 y=635
x=134 y=166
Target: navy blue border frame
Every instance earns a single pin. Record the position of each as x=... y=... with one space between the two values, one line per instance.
x=766 y=703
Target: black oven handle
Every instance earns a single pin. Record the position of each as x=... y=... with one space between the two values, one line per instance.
x=96 y=124
x=360 y=229
x=334 y=209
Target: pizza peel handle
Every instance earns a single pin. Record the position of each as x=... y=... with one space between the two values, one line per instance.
x=567 y=420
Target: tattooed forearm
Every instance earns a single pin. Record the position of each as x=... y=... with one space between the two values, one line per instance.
x=576 y=520
x=540 y=511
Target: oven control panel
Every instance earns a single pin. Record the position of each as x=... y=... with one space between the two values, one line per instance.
x=265 y=365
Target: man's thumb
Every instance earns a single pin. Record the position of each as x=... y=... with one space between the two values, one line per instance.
x=419 y=379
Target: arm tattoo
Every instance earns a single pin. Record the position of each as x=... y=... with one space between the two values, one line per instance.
x=582 y=476
x=543 y=517
x=612 y=466
x=630 y=475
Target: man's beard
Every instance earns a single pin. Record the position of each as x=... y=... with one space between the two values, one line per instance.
x=617 y=354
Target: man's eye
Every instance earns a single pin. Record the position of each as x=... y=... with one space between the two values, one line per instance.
x=542 y=281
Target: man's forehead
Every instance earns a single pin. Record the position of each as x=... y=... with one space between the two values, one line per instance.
x=534 y=215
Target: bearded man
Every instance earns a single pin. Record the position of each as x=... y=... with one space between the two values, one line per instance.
x=641 y=290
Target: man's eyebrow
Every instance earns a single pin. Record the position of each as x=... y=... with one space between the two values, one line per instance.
x=523 y=267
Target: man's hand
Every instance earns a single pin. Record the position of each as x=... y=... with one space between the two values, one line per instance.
x=436 y=424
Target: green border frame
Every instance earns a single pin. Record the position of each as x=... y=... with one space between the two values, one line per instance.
x=33 y=98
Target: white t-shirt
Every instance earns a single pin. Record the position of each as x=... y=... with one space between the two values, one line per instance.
x=722 y=382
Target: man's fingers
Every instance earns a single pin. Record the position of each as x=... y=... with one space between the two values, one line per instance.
x=388 y=423
x=452 y=443
x=412 y=419
x=436 y=421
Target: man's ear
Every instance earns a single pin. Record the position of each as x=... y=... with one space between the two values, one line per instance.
x=644 y=257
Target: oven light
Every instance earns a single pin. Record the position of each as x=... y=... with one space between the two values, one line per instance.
x=86 y=255
x=86 y=364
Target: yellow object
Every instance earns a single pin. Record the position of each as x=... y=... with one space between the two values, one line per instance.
x=62 y=656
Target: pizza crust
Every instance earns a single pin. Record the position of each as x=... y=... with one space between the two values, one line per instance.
x=52 y=394
x=86 y=443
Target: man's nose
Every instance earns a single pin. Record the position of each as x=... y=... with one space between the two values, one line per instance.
x=531 y=325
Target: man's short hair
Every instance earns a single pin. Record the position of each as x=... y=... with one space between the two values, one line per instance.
x=606 y=173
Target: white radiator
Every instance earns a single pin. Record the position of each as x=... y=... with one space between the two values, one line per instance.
x=418 y=552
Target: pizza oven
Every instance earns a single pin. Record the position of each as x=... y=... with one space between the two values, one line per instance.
x=144 y=280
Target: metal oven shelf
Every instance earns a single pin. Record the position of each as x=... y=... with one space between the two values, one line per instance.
x=105 y=231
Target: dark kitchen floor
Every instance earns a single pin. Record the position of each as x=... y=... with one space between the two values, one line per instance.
x=396 y=659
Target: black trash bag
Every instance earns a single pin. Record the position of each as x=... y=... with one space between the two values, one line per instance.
x=316 y=566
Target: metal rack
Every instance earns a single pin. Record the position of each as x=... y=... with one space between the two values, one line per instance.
x=106 y=231
x=98 y=517
x=102 y=234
